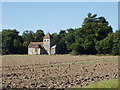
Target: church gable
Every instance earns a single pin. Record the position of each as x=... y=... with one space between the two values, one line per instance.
x=45 y=47
x=48 y=36
x=35 y=45
x=35 y=48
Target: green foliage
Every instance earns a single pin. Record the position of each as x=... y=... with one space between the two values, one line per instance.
x=13 y=43
x=110 y=44
x=69 y=38
x=85 y=38
x=116 y=45
x=55 y=36
x=94 y=37
x=38 y=36
x=74 y=52
x=90 y=18
x=28 y=36
x=60 y=42
x=113 y=83
x=107 y=84
x=105 y=46
x=10 y=40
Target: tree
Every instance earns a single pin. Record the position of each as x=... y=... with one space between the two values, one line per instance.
x=61 y=45
x=110 y=44
x=116 y=40
x=77 y=47
x=27 y=37
x=10 y=41
x=18 y=45
x=116 y=48
x=55 y=37
x=38 y=36
x=69 y=38
x=95 y=36
x=93 y=30
x=90 y=18
x=105 y=46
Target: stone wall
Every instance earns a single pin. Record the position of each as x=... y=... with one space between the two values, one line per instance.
x=53 y=50
x=46 y=45
x=33 y=51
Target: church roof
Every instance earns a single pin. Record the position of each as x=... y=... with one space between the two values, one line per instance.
x=48 y=36
x=35 y=45
x=53 y=46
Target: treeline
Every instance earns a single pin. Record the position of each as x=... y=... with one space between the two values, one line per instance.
x=94 y=37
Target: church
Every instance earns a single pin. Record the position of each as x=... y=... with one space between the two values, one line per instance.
x=45 y=47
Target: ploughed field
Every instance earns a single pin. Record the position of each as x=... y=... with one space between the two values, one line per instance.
x=56 y=71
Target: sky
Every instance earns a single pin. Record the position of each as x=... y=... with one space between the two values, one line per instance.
x=55 y=16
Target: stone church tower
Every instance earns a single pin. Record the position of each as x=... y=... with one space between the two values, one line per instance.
x=48 y=42
x=45 y=47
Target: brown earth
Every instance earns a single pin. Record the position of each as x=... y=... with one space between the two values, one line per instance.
x=56 y=71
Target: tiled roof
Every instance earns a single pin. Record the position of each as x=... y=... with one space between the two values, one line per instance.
x=35 y=45
x=47 y=36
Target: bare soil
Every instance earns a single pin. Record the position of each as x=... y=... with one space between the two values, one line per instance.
x=56 y=71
